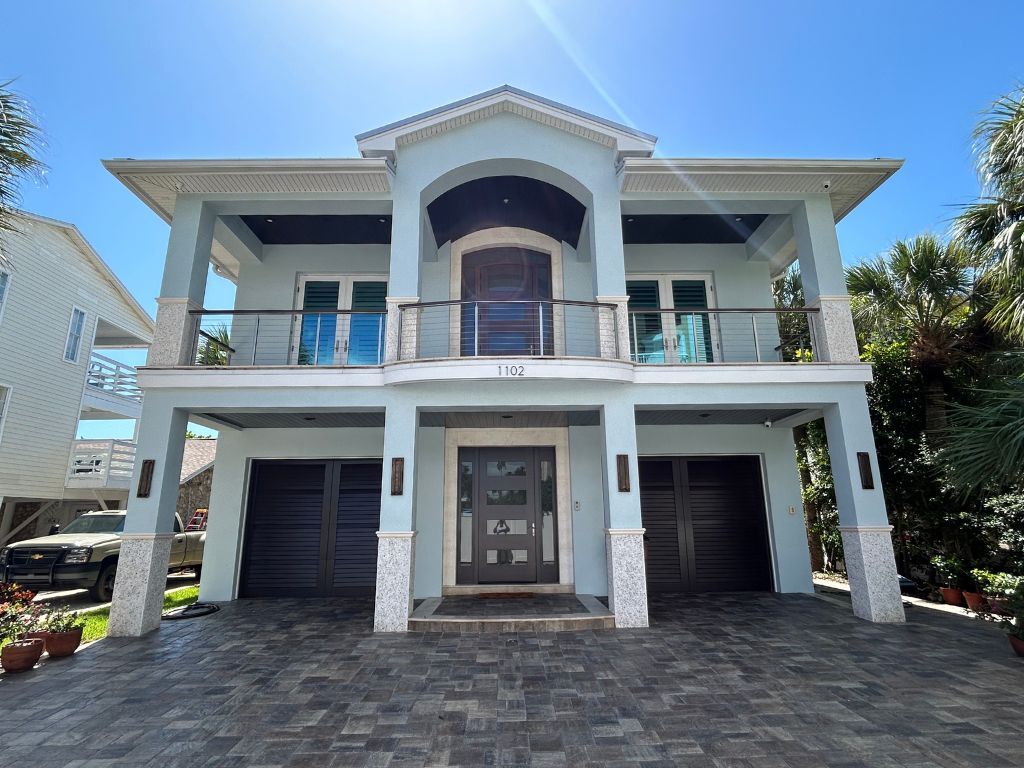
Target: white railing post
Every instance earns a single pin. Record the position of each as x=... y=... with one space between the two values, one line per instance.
x=757 y=343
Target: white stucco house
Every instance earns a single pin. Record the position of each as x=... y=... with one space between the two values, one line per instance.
x=504 y=347
x=60 y=308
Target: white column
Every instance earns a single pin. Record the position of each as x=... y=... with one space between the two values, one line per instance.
x=627 y=574
x=864 y=524
x=824 y=281
x=149 y=527
x=184 y=281
x=608 y=251
x=395 y=545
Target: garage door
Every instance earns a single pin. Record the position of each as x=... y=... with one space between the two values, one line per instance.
x=706 y=524
x=311 y=529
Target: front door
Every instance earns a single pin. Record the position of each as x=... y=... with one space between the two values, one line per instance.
x=509 y=496
x=509 y=310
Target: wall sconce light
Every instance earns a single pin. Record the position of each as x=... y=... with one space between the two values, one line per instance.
x=145 y=478
x=622 y=470
x=397 y=476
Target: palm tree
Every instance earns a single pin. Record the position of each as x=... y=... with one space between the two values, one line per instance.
x=995 y=224
x=986 y=438
x=923 y=289
x=20 y=142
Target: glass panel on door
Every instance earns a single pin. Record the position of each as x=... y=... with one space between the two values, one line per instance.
x=646 y=338
x=319 y=330
x=366 y=331
x=692 y=329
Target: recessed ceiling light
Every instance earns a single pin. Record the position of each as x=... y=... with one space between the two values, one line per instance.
x=382 y=220
x=739 y=218
x=269 y=220
x=629 y=220
x=505 y=200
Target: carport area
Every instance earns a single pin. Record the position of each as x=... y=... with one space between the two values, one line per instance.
x=725 y=680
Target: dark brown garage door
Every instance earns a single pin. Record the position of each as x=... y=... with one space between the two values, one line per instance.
x=706 y=524
x=311 y=529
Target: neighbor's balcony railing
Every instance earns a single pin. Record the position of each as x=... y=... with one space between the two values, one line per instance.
x=287 y=337
x=537 y=328
x=677 y=337
x=110 y=376
x=101 y=464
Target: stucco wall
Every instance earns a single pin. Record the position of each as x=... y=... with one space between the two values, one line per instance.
x=588 y=523
x=429 y=540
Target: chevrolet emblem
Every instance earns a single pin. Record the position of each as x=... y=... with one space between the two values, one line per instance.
x=36 y=556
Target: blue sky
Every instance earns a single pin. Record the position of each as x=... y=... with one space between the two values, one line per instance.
x=300 y=78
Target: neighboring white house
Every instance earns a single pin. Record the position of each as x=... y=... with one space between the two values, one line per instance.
x=504 y=346
x=60 y=308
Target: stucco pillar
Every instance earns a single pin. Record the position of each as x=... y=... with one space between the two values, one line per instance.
x=149 y=526
x=627 y=574
x=395 y=539
x=864 y=524
x=824 y=281
x=406 y=237
x=184 y=281
x=608 y=252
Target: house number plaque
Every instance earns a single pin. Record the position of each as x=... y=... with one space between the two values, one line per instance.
x=511 y=370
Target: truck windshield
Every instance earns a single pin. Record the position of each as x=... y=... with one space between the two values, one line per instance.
x=96 y=524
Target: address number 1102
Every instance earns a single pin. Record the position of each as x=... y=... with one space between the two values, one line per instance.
x=511 y=370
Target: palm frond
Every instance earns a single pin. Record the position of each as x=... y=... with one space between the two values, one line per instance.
x=21 y=143
x=986 y=441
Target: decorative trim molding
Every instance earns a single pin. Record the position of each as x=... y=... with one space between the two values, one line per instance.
x=148 y=536
x=625 y=531
x=396 y=534
x=866 y=528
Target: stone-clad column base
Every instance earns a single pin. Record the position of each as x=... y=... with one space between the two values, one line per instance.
x=871 y=569
x=393 y=601
x=627 y=577
x=140 y=584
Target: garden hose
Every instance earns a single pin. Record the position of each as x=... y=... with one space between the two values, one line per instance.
x=193 y=611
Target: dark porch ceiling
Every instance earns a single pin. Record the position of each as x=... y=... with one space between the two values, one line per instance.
x=651 y=229
x=506 y=201
x=363 y=229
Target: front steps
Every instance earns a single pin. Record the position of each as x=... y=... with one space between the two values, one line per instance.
x=535 y=612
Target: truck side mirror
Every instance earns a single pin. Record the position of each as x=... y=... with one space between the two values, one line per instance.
x=54 y=529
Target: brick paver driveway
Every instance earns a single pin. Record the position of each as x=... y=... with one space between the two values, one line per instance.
x=730 y=681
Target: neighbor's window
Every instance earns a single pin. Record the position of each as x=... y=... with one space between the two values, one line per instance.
x=74 y=343
x=5 y=398
x=5 y=284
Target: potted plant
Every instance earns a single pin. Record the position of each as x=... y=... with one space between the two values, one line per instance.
x=1013 y=621
x=948 y=569
x=63 y=632
x=19 y=653
x=976 y=600
x=997 y=588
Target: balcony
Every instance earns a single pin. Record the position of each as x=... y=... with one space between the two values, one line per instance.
x=443 y=330
x=101 y=464
x=111 y=390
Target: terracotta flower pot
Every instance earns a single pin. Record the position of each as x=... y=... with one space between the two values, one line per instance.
x=999 y=605
x=21 y=655
x=39 y=633
x=60 y=644
x=1017 y=644
x=952 y=595
x=975 y=601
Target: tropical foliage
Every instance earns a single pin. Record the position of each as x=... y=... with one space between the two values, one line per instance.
x=21 y=144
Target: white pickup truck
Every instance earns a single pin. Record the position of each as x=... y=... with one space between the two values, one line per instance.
x=84 y=555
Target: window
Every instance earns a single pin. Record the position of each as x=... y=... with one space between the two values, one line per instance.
x=5 y=285
x=75 y=330
x=5 y=398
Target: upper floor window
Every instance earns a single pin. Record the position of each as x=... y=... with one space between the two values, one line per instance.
x=75 y=331
x=5 y=398
x=5 y=284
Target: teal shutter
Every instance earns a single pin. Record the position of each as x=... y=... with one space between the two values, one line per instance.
x=316 y=339
x=645 y=333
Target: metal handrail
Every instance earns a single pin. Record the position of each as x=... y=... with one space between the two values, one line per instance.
x=716 y=310
x=466 y=302
x=286 y=312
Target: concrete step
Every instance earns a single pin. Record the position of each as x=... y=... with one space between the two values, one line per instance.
x=463 y=614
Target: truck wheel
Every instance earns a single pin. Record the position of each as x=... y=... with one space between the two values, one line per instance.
x=198 y=571
x=103 y=591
